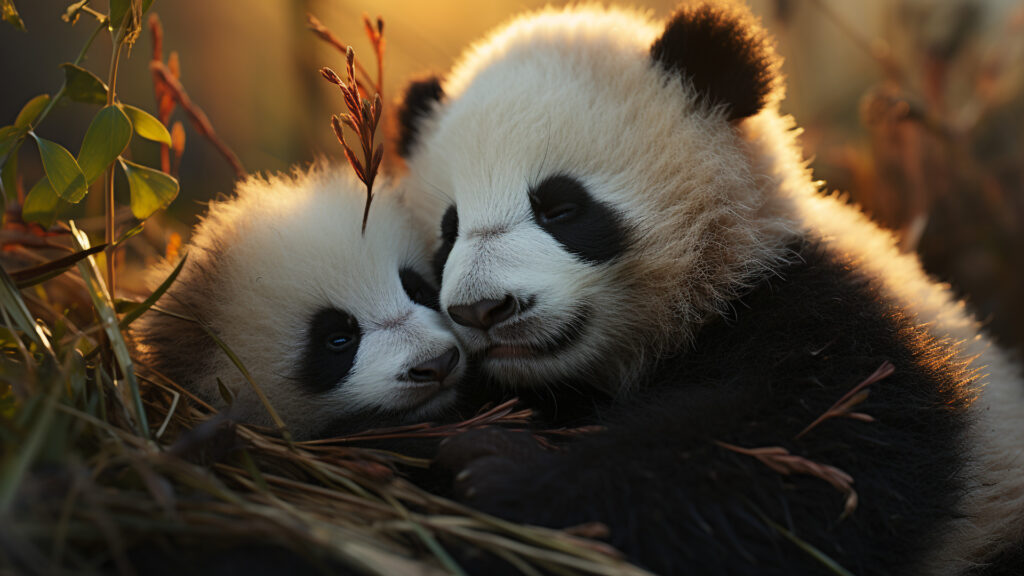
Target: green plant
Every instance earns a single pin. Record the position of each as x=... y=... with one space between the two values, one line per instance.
x=68 y=177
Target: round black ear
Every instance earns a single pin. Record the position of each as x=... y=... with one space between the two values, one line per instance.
x=723 y=52
x=419 y=99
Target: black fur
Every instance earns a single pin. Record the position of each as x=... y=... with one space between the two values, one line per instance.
x=420 y=97
x=1009 y=562
x=449 y=232
x=727 y=59
x=418 y=289
x=564 y=208
x=330 y=351
x=679 y=502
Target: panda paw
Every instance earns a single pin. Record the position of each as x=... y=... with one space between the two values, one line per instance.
x=482 y=462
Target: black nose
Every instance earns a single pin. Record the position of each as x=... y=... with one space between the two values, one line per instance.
x=435 y=369
x=483 y=314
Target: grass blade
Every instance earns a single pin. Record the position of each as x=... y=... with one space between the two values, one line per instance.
x=241 y=368
x=148 y=303
x=11 y=301
x=37 y=274
x=108 y=318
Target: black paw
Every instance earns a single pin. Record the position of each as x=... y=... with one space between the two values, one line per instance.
x=485 y=461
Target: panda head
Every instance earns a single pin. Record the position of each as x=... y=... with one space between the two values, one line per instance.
x=339 y=329
x=602 y=199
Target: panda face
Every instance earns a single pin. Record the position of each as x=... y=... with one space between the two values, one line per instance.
x=603 y=204
x=532 y=285
x=391 y=363
x=339 y=329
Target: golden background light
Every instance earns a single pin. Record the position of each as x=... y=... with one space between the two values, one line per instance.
x=914 y=107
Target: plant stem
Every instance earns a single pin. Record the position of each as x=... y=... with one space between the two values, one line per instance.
x=63 y=87
x=109 y=180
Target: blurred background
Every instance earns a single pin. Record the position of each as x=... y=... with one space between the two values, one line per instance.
x=915 y=108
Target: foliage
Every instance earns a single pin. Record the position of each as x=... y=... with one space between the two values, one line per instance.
x=101 y=455
x=68 y=178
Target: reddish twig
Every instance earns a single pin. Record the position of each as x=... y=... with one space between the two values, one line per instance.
x=375 y=32
x=842 y=408
x=164 y=98
x=362 y=118
x=782 y=461
x=195 y=114
x=327 y=36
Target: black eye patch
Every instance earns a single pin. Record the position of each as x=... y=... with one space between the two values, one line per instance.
x=418 y=289
x=330 y=350
x=589 y=229
x=449 y=232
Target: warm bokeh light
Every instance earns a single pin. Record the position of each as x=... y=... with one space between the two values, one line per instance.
x=914 y=107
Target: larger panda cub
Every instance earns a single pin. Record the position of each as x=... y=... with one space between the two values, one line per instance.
x=633 y=236
x=340 y=329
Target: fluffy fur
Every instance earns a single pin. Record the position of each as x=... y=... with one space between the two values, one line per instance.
x=262 y=265
x=722 y=223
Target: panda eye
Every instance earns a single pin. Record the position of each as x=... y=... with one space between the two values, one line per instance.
x=559 y=213
x=329 y=353
x=339 y=341
x=585 y=226
x=418 y=289
x=558 y=200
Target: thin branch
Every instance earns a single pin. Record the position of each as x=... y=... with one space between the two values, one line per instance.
x=196 y=115
x=111 y=224
x=327 y=36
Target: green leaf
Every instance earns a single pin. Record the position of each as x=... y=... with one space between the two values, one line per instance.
x=42 y=205
x=108 y=135
x=31 y=110
x=8 y=180
x=148 y=302
x=10 y=14
x=10 y=137
x=225 y=393
x=43 y=272
x=151 y=190
x=118 y=9
x=81 y=85
x=63 y=172
x=146 y=125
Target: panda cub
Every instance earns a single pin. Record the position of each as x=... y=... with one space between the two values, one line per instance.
x=634 y=240
x=339 y=329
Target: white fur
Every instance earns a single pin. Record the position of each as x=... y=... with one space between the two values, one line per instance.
x=268 y=259
x=710 y=208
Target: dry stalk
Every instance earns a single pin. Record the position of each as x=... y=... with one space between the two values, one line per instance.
x=164 y=99
x=362 y=118
x=327 y=36
x=782 y=461
x=859 y=393
x=163 y=74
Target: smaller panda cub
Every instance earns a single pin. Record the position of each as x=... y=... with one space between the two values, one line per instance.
x=340 y=329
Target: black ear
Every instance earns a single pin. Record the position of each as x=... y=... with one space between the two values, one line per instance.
x=420 y=97
x=723 y=52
